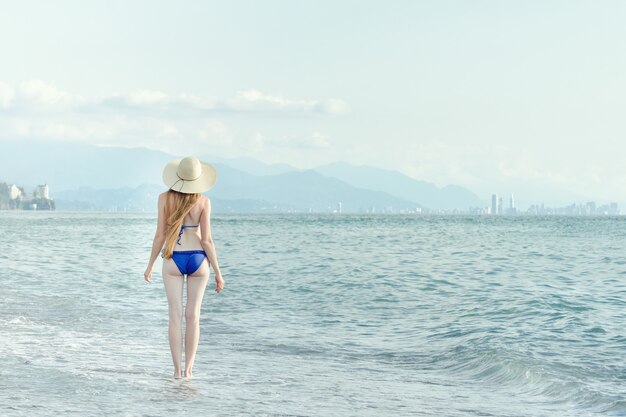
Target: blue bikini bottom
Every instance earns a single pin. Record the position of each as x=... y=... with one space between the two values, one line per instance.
x=188 y=261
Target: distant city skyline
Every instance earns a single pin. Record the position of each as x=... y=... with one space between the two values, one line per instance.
x=587 y=208
x=489 y=95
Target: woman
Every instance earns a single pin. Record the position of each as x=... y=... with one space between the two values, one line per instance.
x=184 y=228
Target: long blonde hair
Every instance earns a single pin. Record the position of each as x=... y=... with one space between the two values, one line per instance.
x=177 y=205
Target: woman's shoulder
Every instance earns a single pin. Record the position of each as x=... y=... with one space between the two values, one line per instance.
x=204 y=200
x=162 y=198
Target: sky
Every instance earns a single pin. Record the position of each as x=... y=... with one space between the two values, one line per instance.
x=523 y=97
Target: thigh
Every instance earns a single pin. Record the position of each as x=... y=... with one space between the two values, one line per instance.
x=173 y=281
x=196 y=284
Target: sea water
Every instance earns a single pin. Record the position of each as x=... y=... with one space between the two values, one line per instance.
x=321 y=315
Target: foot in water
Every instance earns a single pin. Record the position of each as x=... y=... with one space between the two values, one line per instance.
x=188 y=373
x=177 y=374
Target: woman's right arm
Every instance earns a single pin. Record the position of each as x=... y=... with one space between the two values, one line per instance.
x=159 y=238
x=206 y=240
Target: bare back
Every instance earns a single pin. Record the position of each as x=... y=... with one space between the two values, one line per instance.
x=190 y=238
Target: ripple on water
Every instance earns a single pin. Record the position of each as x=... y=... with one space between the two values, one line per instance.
x=384 y=315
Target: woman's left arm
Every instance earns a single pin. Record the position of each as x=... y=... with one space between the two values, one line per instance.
x=159 y=238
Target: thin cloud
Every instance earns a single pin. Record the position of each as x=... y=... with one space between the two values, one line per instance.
x=35 y=95
x=147 y=101
x=35 y=109
x=254 y=100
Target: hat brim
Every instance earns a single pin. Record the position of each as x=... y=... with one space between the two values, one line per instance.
x=204 y=183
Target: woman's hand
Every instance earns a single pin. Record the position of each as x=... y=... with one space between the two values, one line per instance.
x=148 y=274
x=219 y=282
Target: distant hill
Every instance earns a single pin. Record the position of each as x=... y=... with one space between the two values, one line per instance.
x=305 y=189
x=87 y=177
x=236 y=191
x=250 y=165
x=240 y=192
x=143 y=198
x=399 y=185
x=70 y=165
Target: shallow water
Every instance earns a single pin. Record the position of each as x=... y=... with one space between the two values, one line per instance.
x=362 y=315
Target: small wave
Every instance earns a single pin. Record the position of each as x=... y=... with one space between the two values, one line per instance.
x=535 y=380
x=546 y=382
x=18 y=321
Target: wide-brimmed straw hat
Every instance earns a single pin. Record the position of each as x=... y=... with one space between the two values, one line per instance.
x=189 y=175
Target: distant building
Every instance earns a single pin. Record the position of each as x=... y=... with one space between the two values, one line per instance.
x=576 y=209
x=511 y=209
x=479 y=210
x=500 y=206
x=339 y=207
x=15 y=192
x=494 y=204
x=42 y=191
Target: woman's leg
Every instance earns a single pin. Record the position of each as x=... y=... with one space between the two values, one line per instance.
x=196 y=284
x=173 y=282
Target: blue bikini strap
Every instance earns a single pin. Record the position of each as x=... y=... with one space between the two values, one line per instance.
x=181 y=232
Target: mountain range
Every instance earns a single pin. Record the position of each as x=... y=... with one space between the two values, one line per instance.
x=88 y=177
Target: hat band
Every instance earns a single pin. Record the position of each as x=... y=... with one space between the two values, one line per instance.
x=183 y=181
